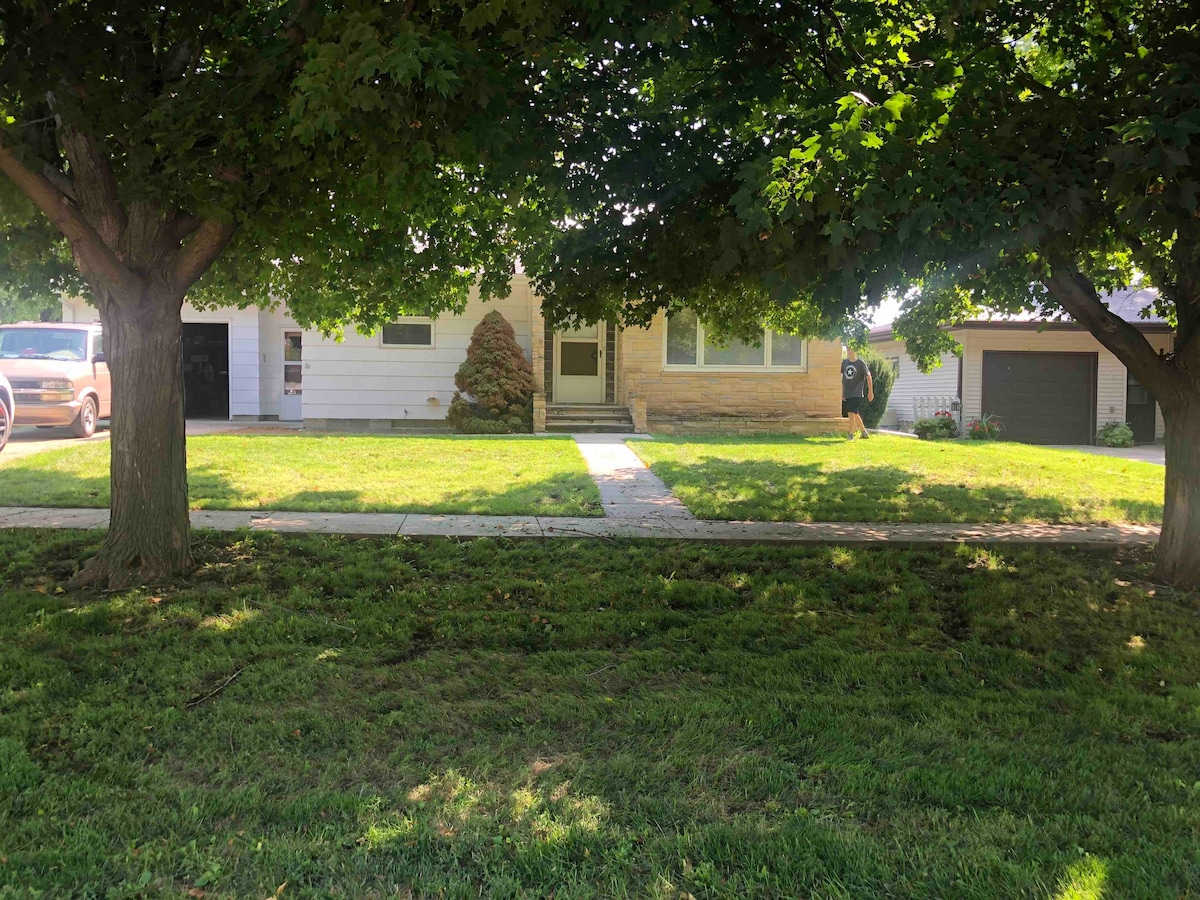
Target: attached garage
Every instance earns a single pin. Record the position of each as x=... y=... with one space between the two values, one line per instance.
x=1042 y=398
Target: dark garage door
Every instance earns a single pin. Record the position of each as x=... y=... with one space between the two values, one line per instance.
x=205 y=371
x=1042 y=398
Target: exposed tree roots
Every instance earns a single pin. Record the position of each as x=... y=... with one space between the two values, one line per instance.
x=117 y=570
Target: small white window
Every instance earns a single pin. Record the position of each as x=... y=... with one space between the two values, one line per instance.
x=687 y=346
x=408 y=332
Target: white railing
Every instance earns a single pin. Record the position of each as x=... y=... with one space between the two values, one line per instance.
x=926 y=407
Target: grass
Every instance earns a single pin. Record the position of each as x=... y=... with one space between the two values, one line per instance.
x=336 y=473
x=890 y=479
x=381 y=718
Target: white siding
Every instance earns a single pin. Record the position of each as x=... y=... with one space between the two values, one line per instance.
x=358 y=378
x=243 y=356
x=1111 y=376
x=912 y=382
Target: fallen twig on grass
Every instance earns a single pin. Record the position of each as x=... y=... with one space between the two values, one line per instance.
x=192 y=704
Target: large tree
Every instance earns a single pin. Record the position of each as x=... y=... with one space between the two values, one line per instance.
x=356 y=160
x=797 y=163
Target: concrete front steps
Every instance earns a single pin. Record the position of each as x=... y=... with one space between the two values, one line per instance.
x=592 y=418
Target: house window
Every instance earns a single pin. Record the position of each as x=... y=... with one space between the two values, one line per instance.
x=408 y=332
x=689 y=347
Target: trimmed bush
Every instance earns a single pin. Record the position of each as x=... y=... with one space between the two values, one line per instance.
x=1115 y=434
x=495 y=383
x=883 y=377
x=941 y=427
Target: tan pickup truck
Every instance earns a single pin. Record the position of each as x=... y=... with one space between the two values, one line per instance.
x=58 y=374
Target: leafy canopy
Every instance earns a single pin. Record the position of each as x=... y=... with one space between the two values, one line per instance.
x=800 y=164
x=371 y=157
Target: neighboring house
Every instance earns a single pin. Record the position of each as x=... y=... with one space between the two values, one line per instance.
x=259 y=365
x=1047 y=382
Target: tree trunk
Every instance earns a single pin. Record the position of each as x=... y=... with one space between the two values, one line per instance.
x=1179 y=546
x=149 y=530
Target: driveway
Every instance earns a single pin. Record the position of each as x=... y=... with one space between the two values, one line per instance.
x=27 y=440
x=1151 y=453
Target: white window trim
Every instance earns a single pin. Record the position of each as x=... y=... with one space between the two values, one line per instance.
x=699 y=365
x=415 y=320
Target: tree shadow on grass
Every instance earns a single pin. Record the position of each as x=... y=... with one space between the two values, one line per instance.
x=563 y=495
x=717 y=488
x=21 y=486
x=566 y=494
x=599 y=720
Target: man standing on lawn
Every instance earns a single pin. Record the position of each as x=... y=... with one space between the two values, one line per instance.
x=856 y=379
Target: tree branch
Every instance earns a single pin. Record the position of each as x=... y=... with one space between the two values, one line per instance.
x=182 y=226
x=95 y=258
x=1076 y=294
x=95 y=185
x=179 y=61
x=194 y=258
x=294 y=29
x=60 y=180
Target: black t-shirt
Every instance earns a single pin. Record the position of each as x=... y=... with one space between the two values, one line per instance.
x=854 y=378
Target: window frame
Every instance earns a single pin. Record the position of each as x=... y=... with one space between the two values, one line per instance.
x=699 y=366
x=411 y=320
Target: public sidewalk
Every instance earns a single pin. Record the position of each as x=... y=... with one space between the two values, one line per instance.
x=649 y=526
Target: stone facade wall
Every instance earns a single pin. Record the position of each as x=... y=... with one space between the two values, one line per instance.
x=701 y=424
x=750 y=395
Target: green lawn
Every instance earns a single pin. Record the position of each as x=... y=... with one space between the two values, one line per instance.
x=383 y=718
x=345 y=473
x=891 y=479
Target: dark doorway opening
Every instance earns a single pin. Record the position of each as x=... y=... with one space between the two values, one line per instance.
x=205 y=371
x=1140 y=410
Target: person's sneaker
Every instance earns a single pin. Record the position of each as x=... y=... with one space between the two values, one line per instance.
x=865 y=435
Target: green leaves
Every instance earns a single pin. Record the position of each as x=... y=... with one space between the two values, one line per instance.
x=373 y=156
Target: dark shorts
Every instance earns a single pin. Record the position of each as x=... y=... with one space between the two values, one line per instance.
x=852 y=405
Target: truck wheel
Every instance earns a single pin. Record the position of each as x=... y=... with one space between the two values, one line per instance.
x=5 y=424
x=84 y=425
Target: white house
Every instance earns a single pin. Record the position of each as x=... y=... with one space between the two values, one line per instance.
x=1046 y=382
x=259 y=365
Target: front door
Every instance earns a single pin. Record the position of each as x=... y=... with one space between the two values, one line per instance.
x=1140 y=411
x=579 y=365
x=292 y=407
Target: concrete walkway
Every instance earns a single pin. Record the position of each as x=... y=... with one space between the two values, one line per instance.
x=628 y=489
x=678 y=528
